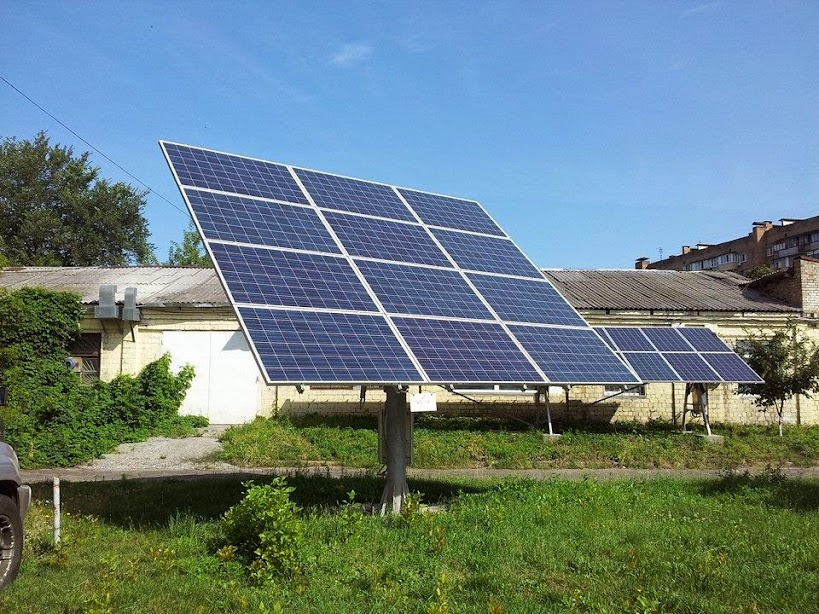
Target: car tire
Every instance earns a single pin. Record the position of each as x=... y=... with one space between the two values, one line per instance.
x=11 y=540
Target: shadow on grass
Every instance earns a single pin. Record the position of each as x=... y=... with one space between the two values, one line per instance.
x=769 y=488
x=154 y=501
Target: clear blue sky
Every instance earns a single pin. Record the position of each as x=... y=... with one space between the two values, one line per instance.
x=594 y=132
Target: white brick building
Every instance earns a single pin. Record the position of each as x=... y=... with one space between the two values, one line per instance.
x=184 y=311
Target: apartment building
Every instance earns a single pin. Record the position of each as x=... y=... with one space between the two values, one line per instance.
x=774 y=245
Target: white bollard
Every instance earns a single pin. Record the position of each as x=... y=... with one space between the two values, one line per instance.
x=56 y=511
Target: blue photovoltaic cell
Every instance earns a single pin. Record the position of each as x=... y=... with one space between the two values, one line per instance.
x=667 y=339
x=691 y=367
x=299 y=346
x=704 y=340
x=451 y=212
x=371 y=238
x=522 y=300
x=245 y=220
x=490 y=254
x=273 y=277
x=451 y=351
x=731 y=367
x=421 y=291
x=629 y=339
x=207 y=169
x=650 y=367
x=333 y=192
x=572 y=356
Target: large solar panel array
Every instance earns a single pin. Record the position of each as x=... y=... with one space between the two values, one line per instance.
x=339 y=280
x=666 y=354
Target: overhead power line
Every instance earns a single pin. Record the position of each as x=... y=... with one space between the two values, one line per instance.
x=97 y=149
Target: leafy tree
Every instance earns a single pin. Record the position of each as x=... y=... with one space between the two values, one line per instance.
x=787 y=361
x=57 y=211
x=190 y=252
x=759 y=271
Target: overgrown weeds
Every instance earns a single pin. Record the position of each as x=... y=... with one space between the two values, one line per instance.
x=52 y=419
x=441 y=442
x=508 y=546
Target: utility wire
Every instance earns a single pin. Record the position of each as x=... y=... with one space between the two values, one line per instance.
x=120 y=167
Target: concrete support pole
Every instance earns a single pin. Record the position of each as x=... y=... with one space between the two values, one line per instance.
x=395 y=415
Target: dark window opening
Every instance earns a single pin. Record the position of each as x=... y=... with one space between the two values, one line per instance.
x=87 y=350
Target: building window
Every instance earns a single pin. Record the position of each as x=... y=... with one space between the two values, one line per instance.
x=87 y=352
x=716 y=261
x=783 y=245
x=624 y=391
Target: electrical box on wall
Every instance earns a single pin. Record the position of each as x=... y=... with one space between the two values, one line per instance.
x=107 y=308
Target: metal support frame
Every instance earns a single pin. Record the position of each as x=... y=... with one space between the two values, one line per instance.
x=702 y=389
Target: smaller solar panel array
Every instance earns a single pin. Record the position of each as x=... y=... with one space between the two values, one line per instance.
x=666 y=354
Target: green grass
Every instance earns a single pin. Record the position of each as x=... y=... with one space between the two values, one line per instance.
x=739 y=544
x=481 y=442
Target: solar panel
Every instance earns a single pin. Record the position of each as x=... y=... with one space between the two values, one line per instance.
x=651 y=367
x=415 y=290
x=374 y=238
x=334 y=192
x=264 y=276
x=666 y=339
x=342 y=280
x=458 y=351
x=695 y=355
x=731 y=367
x=490 y=254
x=691 y=367
x=629 y=339
x=306 y=346
x=703 y=340
x=262 y=222
x=450 y=212
x=523 y=300
x=202 y=168
x=570 y=355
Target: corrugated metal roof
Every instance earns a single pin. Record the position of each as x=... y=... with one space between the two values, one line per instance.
x=585 y=289
x=643 y=290
x=156 y=286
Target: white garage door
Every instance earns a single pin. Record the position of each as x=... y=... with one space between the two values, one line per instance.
x=227 y=386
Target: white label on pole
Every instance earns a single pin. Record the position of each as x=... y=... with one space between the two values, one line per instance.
x=423 y=401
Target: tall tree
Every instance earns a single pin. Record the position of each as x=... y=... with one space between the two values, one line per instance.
x=190 y=252
x=788 y=362
x=55 y=210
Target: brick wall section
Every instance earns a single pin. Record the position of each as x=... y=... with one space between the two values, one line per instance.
x=797 y=286
x=808 y=271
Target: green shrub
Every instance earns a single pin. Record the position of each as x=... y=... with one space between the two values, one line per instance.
x=265 y=532
x=52 y=418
